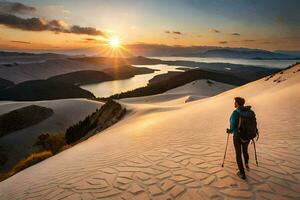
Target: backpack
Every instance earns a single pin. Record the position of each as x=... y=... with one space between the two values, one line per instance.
x=247 y=126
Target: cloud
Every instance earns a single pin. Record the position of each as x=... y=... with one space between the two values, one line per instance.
x=177 y=32
x=236 y=34
x=212 y=30
x=223 y=42
x=85 y=30
x=15 y=8
x=173 y=32
x=22 y=42
x=30 y=24
x=40 y=24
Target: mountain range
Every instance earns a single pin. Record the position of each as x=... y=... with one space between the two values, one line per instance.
x=157 y=50
x=240 y=54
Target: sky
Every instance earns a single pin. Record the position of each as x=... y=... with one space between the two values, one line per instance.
x=71 y=24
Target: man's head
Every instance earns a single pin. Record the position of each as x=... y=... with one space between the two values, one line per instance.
x=239 y=102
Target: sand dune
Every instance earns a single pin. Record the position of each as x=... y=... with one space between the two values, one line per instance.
x=43 y=70
x=175 y=152
x=66 y=113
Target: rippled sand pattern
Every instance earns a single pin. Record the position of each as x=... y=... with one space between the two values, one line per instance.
x=163 y=152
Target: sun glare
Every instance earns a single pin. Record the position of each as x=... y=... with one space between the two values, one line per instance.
x=114 y=42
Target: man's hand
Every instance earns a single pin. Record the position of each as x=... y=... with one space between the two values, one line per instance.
x=228 y=130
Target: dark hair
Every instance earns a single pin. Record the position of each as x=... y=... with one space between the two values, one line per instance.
x=240 y=101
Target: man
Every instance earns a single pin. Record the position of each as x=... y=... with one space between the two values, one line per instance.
x=239 y=144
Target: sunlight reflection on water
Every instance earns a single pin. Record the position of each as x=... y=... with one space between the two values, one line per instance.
x=113 y=87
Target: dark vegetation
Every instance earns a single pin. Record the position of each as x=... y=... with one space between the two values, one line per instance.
x=163 y=77
x=125 y=72
x=26 y=162
x=22 y=118
x=179 y=80
x=5 y=83
x=107 y=115
x=81 y=77
x=43 y=90
x=50 y=142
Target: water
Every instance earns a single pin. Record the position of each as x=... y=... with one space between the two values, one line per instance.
x=260 y=63
x=109 y=88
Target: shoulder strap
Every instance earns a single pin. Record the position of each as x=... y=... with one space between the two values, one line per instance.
x=240 y=122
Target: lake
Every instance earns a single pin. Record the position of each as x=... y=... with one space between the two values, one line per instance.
x=109 y=88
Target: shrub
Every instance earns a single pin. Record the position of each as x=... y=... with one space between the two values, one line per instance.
x=79 y=130
x=108 y=114
x=29 y=161
x=54 y=143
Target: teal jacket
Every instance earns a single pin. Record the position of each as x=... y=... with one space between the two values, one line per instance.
x=234 y=120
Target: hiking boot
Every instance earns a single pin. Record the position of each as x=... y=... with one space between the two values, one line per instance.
x=247 y=167
x=241 y=175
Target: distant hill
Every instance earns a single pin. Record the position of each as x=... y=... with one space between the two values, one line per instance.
x=43 y=90
x=153 y=50
x=11 y=53
x=240 y=53
x=292 y=53
x=159 y=50
x=22 y=118
x=82 y=77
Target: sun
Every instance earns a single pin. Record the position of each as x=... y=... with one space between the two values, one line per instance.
x=114 y=42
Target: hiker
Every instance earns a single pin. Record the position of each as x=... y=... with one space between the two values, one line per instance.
x=243 y=127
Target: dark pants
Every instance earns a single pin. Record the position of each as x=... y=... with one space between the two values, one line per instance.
x=239 y=146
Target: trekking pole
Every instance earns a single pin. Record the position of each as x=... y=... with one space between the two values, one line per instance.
x=255 y=152
x=225 y=150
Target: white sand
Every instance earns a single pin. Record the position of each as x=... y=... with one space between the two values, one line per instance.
x=175 y=152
